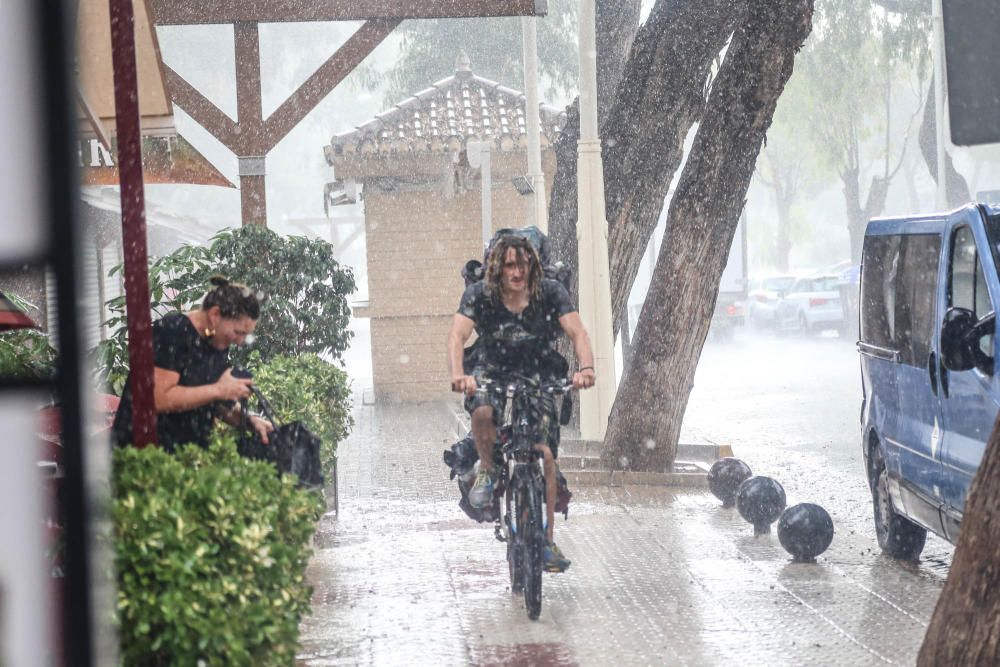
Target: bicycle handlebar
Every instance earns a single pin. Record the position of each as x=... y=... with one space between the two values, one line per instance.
x=523 y=384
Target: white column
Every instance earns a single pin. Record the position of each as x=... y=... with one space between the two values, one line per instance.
x=939 y=90
x=538 y=211
x=592 y=234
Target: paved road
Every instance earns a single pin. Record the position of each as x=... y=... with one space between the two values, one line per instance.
x=659 y=576
x=791 y=406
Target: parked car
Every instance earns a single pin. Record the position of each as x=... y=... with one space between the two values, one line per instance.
x=811 y=304
x=929 y=290
x=762 y=301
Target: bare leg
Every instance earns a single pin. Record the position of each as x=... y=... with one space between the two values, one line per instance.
x=549 y=466
x=484 y=432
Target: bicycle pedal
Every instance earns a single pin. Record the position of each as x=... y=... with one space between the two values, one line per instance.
x=498 y=534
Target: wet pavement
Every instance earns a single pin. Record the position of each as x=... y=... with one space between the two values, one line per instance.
x=660 y=575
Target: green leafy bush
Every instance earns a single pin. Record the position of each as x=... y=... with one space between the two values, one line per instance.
x=211 y=551
x=303 y=287
x=310 y=390
x=26 y=354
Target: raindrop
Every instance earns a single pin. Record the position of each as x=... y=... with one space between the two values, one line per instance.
x=623 y=461
x=404 y=358
x=650 y=443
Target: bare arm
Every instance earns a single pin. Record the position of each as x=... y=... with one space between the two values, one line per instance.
x=458 y=336
x=573 y=327
x=169 y=396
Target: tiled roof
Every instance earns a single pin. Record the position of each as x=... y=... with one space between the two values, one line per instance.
x=447 y=114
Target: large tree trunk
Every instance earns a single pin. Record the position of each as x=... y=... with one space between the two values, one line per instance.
x=660 y=96
x=646 y=418
x=956 y=189
x=965 y=627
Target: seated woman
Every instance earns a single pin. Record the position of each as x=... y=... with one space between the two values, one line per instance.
x=193 y=383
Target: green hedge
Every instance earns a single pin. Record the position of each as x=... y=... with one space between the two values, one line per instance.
x=211 y=551
x=305 y=388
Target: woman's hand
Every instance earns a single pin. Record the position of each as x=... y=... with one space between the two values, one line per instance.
x=232 y=389
x=262 y=426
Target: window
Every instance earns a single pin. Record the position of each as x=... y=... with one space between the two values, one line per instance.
x=916 y=288
x=898 y=288
x=880 y=260
x=967 y=282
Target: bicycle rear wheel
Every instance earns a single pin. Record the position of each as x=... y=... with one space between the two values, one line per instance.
x=532 y=541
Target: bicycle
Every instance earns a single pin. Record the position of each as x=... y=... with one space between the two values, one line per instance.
x=521 y=525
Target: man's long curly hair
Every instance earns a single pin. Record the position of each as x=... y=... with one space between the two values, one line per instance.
x=525 y=251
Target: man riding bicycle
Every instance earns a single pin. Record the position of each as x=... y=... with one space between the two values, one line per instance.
x=518 y=315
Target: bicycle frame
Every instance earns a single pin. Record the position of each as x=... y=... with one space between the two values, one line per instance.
x=522 y=524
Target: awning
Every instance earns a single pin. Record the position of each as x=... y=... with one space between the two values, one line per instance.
x=96 y=94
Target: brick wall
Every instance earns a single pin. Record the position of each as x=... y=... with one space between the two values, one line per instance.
x=417 y=242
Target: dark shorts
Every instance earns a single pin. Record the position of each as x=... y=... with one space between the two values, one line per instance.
x=545 y=420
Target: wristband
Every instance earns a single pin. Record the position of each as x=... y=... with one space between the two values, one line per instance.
x=586 y=368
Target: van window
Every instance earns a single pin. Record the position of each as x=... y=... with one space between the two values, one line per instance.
x=967 y=282
x=898 y=286
x=916 y=288
x=879 y=264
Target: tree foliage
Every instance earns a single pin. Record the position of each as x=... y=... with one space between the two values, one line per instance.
x=303 y=290
x=843 y=92
x=429 y=49
x=26 y=355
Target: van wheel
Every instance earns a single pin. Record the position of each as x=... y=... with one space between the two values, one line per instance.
x=803 y=325
x=897 y=536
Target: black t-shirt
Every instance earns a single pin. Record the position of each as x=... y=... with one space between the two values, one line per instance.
x=178 y=347
x=522 y=343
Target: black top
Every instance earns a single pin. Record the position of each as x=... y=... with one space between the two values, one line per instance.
x=178 y=347
x=522 y=343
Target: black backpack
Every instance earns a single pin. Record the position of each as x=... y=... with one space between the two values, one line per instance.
x=474 y=270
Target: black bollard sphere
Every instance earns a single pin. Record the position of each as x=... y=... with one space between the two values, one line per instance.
x=760 y=500
x=724 y=478
x=805 y=531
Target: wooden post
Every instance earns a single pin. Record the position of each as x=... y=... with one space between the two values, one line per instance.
x=140 y=332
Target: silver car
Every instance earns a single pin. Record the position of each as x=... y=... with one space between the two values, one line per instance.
x=763 y=300
x=811 y=304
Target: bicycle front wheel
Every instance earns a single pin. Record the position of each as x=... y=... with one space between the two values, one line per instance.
x=532 y=541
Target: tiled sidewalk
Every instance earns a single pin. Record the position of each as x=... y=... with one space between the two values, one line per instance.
x=660 y=576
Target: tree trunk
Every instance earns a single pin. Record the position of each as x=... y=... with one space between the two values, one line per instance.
x=784 y=194
x=660 y=95
x=858 y=215
x=617 y=23
x=956 y=188
x=646 y=418
x=964 y=628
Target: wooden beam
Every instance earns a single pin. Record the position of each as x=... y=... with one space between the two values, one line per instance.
x=325 y=79
x=183 y=12
x=249 y=114
x=196 y=105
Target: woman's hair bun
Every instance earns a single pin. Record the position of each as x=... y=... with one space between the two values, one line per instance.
x=219 y=281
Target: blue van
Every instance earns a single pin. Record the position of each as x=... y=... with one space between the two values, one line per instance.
x=929 y=289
